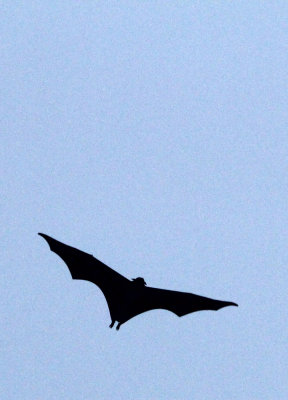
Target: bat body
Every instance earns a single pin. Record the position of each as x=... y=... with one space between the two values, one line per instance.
x=126 y=298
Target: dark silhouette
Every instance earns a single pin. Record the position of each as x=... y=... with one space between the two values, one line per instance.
x=126 y=298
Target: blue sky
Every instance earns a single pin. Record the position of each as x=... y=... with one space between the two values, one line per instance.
x=153 y=135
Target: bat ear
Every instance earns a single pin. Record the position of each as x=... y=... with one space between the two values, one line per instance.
x=139 y=280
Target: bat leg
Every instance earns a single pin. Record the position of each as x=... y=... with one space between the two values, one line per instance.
x=118 y=326
x=112 y=324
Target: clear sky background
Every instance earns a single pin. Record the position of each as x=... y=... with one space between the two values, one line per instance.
x=152 y=134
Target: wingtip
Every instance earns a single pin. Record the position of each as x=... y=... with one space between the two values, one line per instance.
x=46 y=237
x=226 y=304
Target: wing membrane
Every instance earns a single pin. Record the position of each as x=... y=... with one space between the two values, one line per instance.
x=180 y=303
x=86 y=267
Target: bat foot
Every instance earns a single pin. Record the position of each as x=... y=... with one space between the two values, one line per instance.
x=112 y=324
x=118 y=326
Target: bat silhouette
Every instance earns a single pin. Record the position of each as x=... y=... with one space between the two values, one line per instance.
x=126 y=298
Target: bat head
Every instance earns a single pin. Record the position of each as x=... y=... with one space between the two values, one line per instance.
x=139 y=281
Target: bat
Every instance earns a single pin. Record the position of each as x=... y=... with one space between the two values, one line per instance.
x=128 y=298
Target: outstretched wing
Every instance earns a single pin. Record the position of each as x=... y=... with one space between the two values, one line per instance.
x=180 y=303
x=86 y=267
